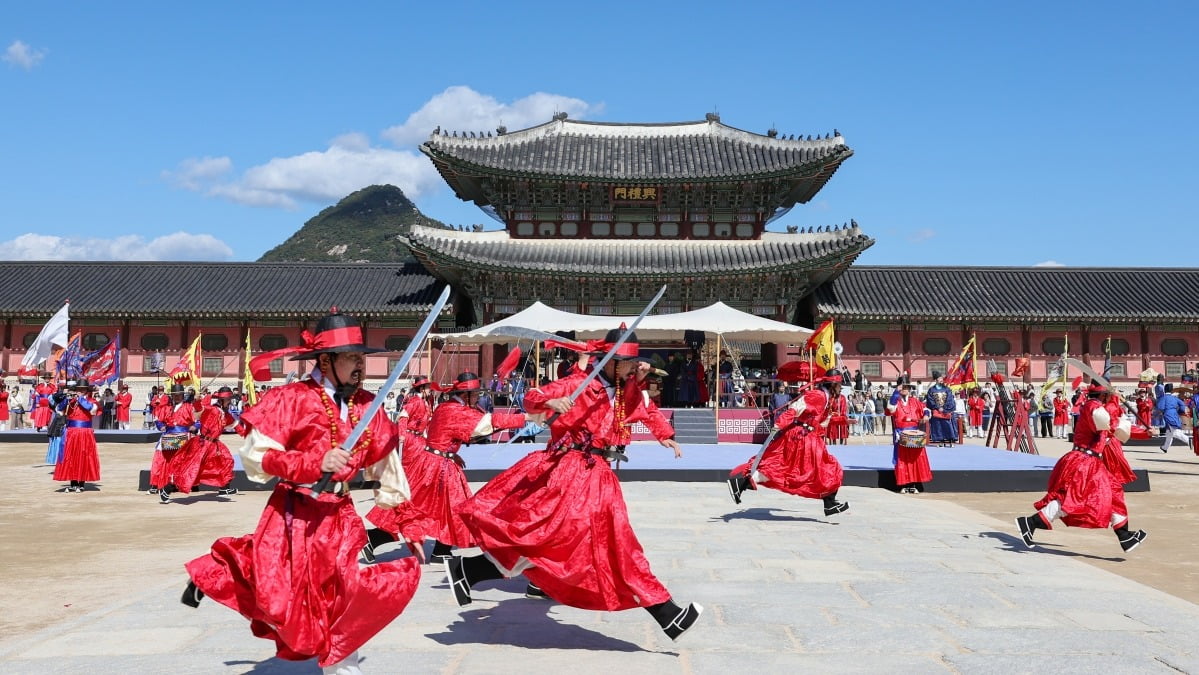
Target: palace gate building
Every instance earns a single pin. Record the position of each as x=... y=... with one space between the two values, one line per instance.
x=594 y=218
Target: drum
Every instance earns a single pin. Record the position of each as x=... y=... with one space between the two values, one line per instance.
x=173 y=441
x=911 y=438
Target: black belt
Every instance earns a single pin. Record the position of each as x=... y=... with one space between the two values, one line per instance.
x=1089 y=452
x=611 y=454
x=439 y=453
x=339 y=488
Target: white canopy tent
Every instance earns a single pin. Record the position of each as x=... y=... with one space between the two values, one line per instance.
x=717 y=320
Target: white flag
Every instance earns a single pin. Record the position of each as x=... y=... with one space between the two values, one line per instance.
x=53 y=333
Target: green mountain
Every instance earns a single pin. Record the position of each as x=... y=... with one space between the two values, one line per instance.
x=360 y=228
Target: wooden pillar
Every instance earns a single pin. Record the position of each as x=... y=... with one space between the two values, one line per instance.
x=1144 y=346
x=241 y=346
x=7 y=347
x=1026 y=350
x=906 y=329
x=123 y=357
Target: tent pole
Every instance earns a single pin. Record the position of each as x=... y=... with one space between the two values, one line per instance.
x=719 y=387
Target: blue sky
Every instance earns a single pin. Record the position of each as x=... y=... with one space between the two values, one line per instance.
x=1016 y=133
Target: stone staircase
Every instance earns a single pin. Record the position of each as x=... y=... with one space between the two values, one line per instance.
x=694 y=425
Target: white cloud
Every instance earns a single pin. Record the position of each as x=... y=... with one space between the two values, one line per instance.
x=1050 y=263
x=22 y=55
x=923 y=234
x=193 y=174
x=464 y=109
x=351 y=162
x=176 y=246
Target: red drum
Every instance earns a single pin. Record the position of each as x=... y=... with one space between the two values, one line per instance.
x=912 y=438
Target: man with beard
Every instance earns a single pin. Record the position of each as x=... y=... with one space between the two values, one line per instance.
x=296 y=578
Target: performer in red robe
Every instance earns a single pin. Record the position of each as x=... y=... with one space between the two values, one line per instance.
x=911 y=463
x=80 y=462
x=3 y=407
x=297 y=578
x=176 y=418
x=975 y=404
x=435 y=471
x=559 y=516
x=204 y=459
x=1144 y=409
x=416 y=412
x=838 y=420
x=1086 y=487
x=1061 y=414
x=122 y=403
x=42 y=412
x=797 y=461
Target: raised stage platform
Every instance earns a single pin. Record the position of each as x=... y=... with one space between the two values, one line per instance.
x=102 y=436
x=964 y=468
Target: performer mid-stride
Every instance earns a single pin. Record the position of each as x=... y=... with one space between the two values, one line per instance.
x=296 y=578
x=559 y=516
x=797 y=461
x=436 y=471
x=1086 y=487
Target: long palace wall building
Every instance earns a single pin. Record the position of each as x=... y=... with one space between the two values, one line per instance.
x=595 y=218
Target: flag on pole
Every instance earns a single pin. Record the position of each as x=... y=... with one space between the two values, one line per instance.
x=1107 y=359
x=961 y=373
x=187 y=371
x=508 y=364
x=821 y=344
x=1058 y=371
x=103 y=366
x=53 y=333
x=69 y=363
x=247 y=378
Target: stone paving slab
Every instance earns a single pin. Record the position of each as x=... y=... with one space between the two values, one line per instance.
x=898 y=584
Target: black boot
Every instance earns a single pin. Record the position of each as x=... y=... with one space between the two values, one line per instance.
x=737 y=485
x=1129 y=540
x=441 y=552
x=375 y=537
x=164 y=495
x=832 y=507
x=228 y=489
x=1028 y=525
x=673 y=619
x=192 y=595
x=466 y=572
x=534 y=591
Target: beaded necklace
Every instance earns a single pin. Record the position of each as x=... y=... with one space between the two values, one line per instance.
x=623 y=433
x=365 y=441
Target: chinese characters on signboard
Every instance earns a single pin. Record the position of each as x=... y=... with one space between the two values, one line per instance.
x=634 y=193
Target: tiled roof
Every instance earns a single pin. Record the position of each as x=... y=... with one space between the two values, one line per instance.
x=215 y=290
x=687 y=151
x=631 y=257
x=1024 y=294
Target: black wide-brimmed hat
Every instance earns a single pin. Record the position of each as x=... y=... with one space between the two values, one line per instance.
x=177 y=389
x=335 y=333
x=630 y=350
x=419 y=381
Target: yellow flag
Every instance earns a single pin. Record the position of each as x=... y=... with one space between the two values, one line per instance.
x=821 y=344
x=247 y=379
x=187 y=371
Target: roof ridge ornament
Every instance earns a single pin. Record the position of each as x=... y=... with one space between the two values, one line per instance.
x=712 y=117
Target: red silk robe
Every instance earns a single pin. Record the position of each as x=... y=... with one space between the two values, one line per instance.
x=80 y=461
x=439 y=483
x=297 y=578
x=204 y=459
x=797 y=461
x=559 y=516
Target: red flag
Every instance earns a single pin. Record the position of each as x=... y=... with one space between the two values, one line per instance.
x=104 y=365
x=509 y=363
x=1021 y=367
x=1077 y=382
x=962 y=371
